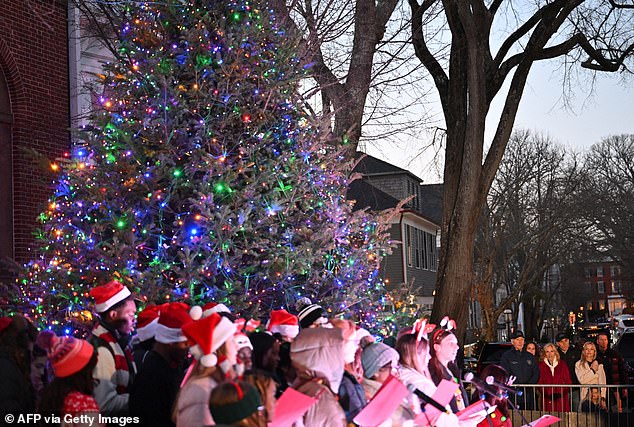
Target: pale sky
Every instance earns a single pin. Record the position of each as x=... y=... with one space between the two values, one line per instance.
x=589 y=118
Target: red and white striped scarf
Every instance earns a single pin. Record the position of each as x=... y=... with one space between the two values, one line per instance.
x=123 y=359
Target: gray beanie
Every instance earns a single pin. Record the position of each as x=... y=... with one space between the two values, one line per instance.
x=375 y=356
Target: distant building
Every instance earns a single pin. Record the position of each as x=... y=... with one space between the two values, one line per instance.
x=610 y=291
x=416 y=228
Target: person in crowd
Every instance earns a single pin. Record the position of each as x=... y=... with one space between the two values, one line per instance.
x=40 y=374
x=500 y=417
x=16 y=340
x=552 y=370
x=143 y=341
x=570 y=354
x=523 y=367
x=589 y=370
x=594 y=403
x=70 y=393
x=318 y=358
x=532 y=348
x=285 y=372
x=615 y=369
x=266 y=352
x=310 y=315
x=245 y=354
x=351 y=395
x=156 y=386
x=115 y=369
x=413 y=350
x=211 y=341
x=442 y=365
x=379 y=361
x=236 y=404
x=266 y=386
x=283 y=325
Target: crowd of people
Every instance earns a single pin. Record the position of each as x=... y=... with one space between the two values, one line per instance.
x=591 y=363
x=180 y=366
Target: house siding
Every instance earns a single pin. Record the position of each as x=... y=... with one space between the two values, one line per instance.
x=393 y=264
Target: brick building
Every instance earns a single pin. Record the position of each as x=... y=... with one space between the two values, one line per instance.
x=610 y=290
x=34 y=115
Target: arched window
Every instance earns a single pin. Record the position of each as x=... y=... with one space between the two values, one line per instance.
x=6 y=177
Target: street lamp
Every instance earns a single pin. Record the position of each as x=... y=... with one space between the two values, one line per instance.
x=508 y=318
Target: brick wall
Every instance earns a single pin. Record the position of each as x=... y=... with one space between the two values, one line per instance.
x=34 y=60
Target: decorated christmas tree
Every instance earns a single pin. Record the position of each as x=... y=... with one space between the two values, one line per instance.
x=202 y=176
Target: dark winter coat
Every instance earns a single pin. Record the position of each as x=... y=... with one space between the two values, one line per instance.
x=154 y=391
x=522 y=365
x=614 y=366
x=16 y=396
x=351 y=396
x=570 y=357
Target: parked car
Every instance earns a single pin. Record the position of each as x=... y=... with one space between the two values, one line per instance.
x=589 y=333
x=491 y=354
x=624 y=324
x=625 y=347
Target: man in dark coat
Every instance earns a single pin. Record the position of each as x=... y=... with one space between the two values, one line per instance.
x=523 y=366
x=156 y=386
x=570 y=354
x=614 y=367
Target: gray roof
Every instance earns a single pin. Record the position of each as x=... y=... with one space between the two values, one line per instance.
x=368 y=196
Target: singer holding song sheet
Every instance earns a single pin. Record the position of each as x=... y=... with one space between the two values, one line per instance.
x=414 y=357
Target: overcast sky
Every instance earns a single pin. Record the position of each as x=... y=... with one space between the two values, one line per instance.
x=589 y=118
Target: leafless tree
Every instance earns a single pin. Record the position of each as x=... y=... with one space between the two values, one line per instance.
x=609 y=197
x=531 y=222
x=485 y=44
x=362 y=61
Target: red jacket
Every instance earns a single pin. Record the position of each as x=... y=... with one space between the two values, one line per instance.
x=555 y=398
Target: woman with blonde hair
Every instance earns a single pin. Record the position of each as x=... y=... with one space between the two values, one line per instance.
x=552 y=371
x=589 y=370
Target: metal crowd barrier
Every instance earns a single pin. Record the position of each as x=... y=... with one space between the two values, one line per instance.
x=614 y=406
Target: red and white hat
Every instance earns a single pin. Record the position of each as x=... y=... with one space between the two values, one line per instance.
x=108 y=295
x=172 y=318
x=242 y=341
x=146 y=322
x=207 y=335
x=208 y=309
x=283 y=322
x=67 y=355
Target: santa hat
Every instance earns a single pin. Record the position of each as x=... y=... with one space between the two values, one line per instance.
x=172 y=318
x=4 y=323
x=283 y=322
x=146 y=322
x=252 y=325
x=242 y=341
x=362 y=333
x=207 y=335
x=67 y=355
x=208 y=309
x=108 y=295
